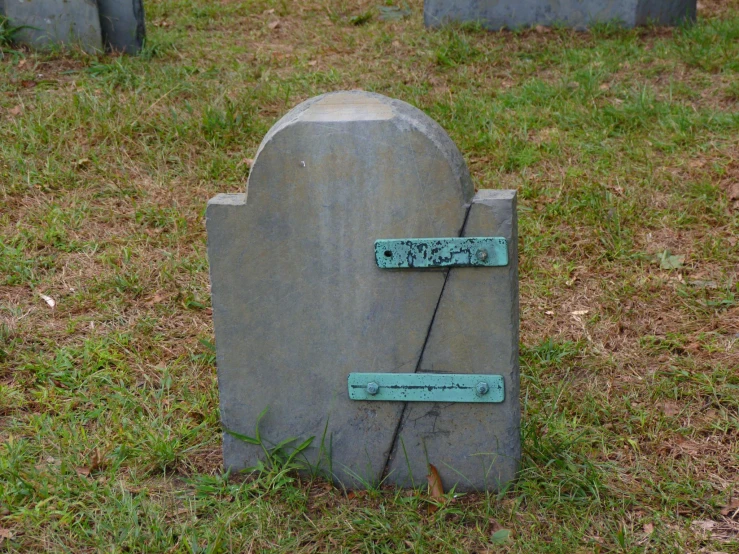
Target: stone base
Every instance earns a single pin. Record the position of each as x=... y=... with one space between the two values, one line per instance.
x=578 y=14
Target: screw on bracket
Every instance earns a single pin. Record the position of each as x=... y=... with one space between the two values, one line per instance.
x=482 y=255
x=482 y=388
x=372 y=388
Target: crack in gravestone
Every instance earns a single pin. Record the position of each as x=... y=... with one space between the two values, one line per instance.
x=402 y=417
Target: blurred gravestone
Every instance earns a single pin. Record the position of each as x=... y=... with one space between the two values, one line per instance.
x=122 y=24
x=92 y=25
x=392 y=353
x=580 y=14
x=56 y=22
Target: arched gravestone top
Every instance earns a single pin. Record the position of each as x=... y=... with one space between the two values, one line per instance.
x=347 y=107
x=298 y=300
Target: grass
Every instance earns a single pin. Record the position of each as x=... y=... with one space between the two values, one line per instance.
x=623 y=145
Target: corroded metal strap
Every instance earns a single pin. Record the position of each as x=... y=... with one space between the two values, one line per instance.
x=441 y=252
x=426 y=387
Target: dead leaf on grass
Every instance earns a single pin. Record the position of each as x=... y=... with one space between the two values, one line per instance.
x=648 y=528
x=500 y=536
x=670 y=409
x=274 y=24
x=16 y=111
x=436 y=489
x=733 y=194
x=97 y=460
x=731 y=510
x=578 y=313
x=5 y=534
x=667 y=260
x=156 y=299
x=49 y=300
x=721 y=531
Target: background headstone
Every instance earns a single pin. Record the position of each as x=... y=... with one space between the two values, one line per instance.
x=122 y=23
x=117 y=25
x=580 y=14
x=56 y=22
x=299 y=303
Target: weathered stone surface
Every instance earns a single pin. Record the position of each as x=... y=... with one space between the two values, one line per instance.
x=122 y=23
x=56 y=22
x=498 y=14
x=297 y=298
x=474 y=446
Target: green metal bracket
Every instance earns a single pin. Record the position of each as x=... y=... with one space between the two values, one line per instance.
x=426 y=387
x=441 y=252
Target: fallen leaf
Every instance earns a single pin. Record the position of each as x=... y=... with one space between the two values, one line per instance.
x=734 y=195
x=82 y=162
x=670 y=409
x=731 y=510
x=666 y=260
x=703 y=283
x=48 y=299
x=97 y=460
x=648 y=528
x=83 y=471
x=310 y=63
x=156 y=299
x=436 y=490
x=17 y=110
x=5 y=534
x=704 y=524
x=393 y=13
x=274 y=25
x=501 y=536
x=540 y=29
x=549 y=312
x=22 y=63
x=577 y=313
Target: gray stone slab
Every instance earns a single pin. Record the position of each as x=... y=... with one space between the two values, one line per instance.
x=56 y=23
x=580 y=14
x=298 y=301
x=122 y=23
x=474 y=446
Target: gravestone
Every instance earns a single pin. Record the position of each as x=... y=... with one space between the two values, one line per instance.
x=117 y=25
x=580 y=14
x=56 y=22
x=122 y=24
x=330 y=317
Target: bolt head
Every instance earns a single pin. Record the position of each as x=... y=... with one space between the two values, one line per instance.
x=482 y=388
x=482 y=254
x=372 y=388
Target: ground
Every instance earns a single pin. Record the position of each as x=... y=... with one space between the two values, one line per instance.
x=624 y=147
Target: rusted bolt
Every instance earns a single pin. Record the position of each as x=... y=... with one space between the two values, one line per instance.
x=372 y=388
x=482 y=255
x=482 y=388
